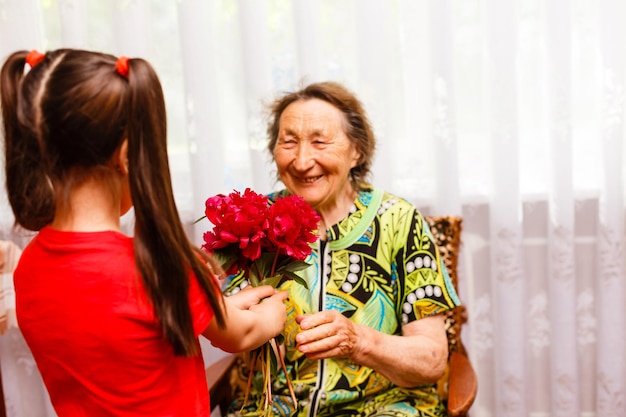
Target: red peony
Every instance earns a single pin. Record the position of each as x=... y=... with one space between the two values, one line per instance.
x=261 y=240
x=291 y=222
x=267 y=244
x=241 y=219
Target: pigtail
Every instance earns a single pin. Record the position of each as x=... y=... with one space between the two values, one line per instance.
x=28 y=188
x=81 y=129
x=163 y=252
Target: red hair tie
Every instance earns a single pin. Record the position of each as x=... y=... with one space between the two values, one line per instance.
x=34 y=57
x=121 y=66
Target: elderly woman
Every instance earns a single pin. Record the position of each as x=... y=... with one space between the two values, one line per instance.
x=366 y=337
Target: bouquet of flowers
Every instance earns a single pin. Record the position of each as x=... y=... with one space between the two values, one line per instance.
x=268 y=243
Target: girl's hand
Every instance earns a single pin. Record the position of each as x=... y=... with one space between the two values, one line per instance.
x=251 y=296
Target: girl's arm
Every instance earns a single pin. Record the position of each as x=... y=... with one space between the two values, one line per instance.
x=253 y=316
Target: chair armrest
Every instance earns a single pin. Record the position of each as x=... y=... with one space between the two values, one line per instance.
x=218 y=380
x=462 y=385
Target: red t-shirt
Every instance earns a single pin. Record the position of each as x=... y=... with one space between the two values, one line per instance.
x=83 y=311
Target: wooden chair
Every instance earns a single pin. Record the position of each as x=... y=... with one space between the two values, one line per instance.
x=457 y=388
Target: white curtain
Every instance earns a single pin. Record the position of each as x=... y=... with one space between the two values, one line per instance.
x=509 y=113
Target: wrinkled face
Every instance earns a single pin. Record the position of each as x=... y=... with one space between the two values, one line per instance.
x=313 y=154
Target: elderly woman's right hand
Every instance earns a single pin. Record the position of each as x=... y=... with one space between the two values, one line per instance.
x=416 y=357
x=327 y=334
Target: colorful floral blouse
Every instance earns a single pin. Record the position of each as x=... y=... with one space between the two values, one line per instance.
x=380 y=268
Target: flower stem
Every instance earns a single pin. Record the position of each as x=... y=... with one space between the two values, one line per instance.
x=282 y=365
x=250 y=375
x=268 y=377
x=274 y=264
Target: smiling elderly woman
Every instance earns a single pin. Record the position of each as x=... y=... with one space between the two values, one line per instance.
x=367 y=337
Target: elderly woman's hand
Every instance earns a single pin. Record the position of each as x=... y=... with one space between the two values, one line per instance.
x=327 y=334
x=416 y=357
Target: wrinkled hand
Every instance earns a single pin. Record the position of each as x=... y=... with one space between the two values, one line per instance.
x=327 y=334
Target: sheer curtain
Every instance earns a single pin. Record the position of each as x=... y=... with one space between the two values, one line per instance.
x=509 y=113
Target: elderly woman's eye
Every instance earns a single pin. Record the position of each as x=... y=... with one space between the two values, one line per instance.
x=286 y=140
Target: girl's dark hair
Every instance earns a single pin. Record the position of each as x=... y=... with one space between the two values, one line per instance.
x=357 y=126
x=62 y=121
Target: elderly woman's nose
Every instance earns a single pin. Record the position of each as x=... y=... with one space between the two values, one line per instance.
x=304 y=157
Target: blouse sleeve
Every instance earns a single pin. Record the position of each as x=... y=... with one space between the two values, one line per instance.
x=427 y=288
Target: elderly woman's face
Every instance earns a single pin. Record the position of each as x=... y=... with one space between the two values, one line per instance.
x=313 y=154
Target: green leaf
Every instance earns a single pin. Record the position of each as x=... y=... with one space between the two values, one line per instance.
x=275 y=367
x=200 y=219
x=226 y=262
x=273 y=281
x=263 y=264
x=294 y=266
x=253 y=275
x=296 y=278
x=226 y=257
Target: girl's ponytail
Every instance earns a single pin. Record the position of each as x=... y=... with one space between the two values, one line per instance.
x=164 y=255
x=28 y=188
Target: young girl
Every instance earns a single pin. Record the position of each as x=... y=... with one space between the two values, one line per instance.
x=112 y=321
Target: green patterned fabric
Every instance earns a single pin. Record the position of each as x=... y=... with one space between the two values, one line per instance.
x=379 y=267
